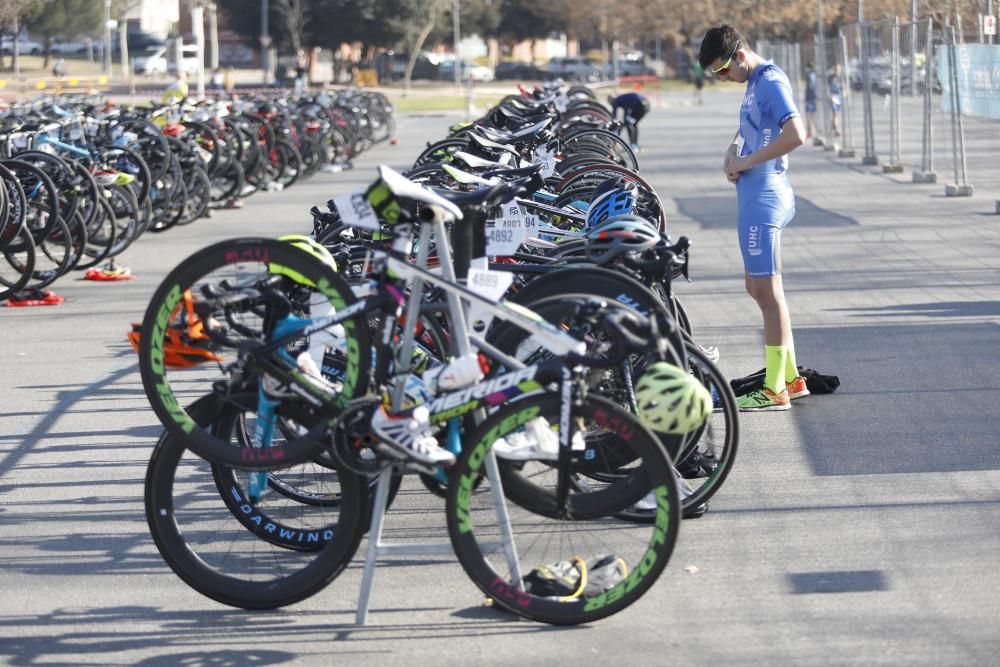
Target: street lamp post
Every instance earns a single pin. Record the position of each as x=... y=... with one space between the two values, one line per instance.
x=456 y=24
x=265 y=41
x=198 y=25
x=107 y=37
x=213 y=34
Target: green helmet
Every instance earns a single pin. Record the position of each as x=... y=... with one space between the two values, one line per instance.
x=671 y=400
x=311 y=246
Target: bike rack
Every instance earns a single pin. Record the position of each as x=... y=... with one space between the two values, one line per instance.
x=376 y=547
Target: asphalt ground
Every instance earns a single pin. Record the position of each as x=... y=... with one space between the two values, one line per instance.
x=861 y=527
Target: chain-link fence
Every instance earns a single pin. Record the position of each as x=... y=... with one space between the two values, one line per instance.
x=904 y=95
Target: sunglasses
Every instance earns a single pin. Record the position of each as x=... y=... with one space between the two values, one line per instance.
x=723 y=70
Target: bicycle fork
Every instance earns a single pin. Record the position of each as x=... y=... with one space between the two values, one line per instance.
x=263 y=436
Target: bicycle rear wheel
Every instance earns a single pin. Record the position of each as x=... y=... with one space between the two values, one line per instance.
x=200 y=539
x=501 y=563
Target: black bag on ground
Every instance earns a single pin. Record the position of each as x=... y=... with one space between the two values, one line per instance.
x=577 y=577
x=816 y=382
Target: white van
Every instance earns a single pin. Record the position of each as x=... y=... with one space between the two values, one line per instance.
x=155 y=61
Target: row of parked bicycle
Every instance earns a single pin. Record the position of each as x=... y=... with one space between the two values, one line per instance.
x=499 y=320
x=80 y=182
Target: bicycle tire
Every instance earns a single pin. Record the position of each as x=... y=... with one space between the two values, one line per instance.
x=18 y=263
x=198 y=543
x=645 y=551
x=166 y=388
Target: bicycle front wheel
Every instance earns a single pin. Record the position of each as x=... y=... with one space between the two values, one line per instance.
x=192 y=344
x=616 y=561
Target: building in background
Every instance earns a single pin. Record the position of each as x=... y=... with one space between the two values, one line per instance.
x=156 y=17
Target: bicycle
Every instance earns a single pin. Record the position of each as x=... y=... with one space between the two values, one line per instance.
x=541 y=494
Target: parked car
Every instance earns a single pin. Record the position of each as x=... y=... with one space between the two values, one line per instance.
x=575 y=69
x=156 y=62
x=65 y=47
x=24 y=46
x=518 y=70
x=392 y=67
x=634 y=67
x=139 y=41
x=469 y=71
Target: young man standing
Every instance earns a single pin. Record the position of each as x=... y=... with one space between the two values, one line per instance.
x=756 y=162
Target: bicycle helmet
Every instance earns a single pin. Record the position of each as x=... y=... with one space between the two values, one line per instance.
x=311 y=246
x=619 y=235
x=614 y=196
x=671 y=400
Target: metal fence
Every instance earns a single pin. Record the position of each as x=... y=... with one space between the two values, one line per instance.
x=904 y=95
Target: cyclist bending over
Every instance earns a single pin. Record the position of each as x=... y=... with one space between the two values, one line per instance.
x=634 y=106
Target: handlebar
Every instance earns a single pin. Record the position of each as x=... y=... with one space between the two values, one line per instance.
x=629 y=332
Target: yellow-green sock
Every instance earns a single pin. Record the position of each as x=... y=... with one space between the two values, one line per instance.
x=791 y=368
x=774 y=371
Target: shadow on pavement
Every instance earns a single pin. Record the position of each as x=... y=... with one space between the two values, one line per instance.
x=720 y=213
x=932 y=309
x=902 y=407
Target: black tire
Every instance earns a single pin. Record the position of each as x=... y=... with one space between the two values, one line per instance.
x=217 y=556
x=597 y=282
x=440 y=151
x=291 y=163
x=198 y=195
x=305 y=485
x=245 y=261
x=17 y=263
x=227 y=182
x=102 y=231
x=41 y=197
x=579 y=533
x=53 y=257
x=705 y=457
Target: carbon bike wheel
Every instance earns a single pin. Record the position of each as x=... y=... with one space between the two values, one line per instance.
x=41 y=197
x=199 y=538
x=541 y=536
x=290 y=161
x=54 y=257
x=595 y=282
x=291 y=491
x=705 y=457
x=17 y=263
x=227 y=182
x=198 y=190
x=102 y=232
x=179 y=361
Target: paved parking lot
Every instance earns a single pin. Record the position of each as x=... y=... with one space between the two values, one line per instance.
x=858 y=528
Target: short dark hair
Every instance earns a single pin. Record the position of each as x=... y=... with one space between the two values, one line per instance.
x=720 y=41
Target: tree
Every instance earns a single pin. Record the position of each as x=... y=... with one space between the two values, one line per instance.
x=67 y=18
x=433 y=15
x=292 y=18
x=530 y=19
x=13 y=14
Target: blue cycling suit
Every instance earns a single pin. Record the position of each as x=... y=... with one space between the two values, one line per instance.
x=766 y=200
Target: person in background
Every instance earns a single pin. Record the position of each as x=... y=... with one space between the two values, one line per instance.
x=634 y=106
x=698 y=77
x=836 y=99
x=177 y=90
x=810 y=100
x=215 y=83
x=59 y=68
x=301 y=69
x=756 y=162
